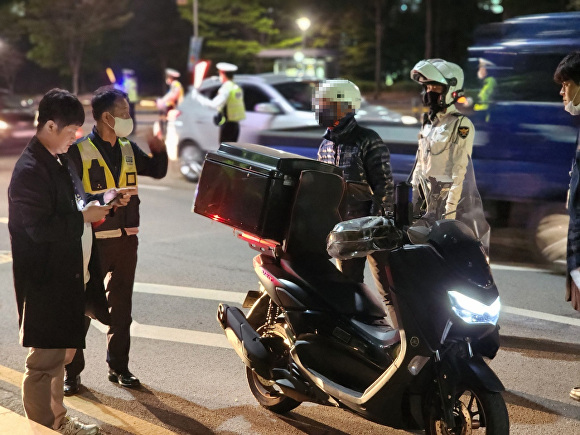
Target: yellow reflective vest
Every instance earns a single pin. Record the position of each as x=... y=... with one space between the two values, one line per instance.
x=235 y=109
x=97 y=178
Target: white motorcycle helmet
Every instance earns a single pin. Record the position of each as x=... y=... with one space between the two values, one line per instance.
x=337 y=90
x=439 y=71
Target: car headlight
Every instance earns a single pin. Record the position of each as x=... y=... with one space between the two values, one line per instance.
x=3 y=125
x=472 y=311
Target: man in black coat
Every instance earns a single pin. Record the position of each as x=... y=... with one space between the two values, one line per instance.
x=51 y=238
x=568 y=75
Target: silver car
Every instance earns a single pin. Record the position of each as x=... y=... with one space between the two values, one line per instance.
x=274 y=102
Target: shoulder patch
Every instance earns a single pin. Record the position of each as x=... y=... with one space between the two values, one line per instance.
x=463 y=131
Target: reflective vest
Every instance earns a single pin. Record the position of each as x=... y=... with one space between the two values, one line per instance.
x=131 y=89
x=235 y=109
x=97 y=178
x=176 y=91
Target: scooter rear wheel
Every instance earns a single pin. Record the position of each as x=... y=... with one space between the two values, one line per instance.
x=267 y=396
x=263 y=389
x=476 y=412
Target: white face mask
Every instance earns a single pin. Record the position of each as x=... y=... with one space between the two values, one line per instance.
x=570 y=107
x=123 y=127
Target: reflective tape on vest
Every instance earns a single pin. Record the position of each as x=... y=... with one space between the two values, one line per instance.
x=97 y=176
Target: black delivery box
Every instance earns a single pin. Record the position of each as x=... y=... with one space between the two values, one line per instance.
x=252 y=187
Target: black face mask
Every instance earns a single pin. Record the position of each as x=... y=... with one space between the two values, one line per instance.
x=431 y=100
x=326 y=117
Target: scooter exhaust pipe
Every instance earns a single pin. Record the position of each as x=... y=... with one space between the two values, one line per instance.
x=244 y=339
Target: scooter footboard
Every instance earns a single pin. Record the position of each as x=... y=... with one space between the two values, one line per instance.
x=244 y=339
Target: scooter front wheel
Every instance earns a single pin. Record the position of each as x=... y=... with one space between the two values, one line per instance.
x=476 y=412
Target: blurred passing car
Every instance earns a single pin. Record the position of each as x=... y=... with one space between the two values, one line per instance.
x=16 y=122
x=274 y=102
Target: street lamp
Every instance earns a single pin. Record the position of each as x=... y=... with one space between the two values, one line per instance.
x=303 y=24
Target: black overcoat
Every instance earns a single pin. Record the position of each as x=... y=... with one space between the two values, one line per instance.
x=45 y=232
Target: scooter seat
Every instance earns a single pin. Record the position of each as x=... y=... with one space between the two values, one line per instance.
x=342 y=294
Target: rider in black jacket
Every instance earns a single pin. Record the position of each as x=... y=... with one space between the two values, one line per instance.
x=365 y=161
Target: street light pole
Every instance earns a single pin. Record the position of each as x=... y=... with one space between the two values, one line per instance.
x=195 y=28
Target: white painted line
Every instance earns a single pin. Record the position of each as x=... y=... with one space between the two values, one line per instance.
x=518 y=268
x=219 y=340
x=190 y=292
x=542 y=316
x=173 y=334
x=152 y=187
x=5 y=257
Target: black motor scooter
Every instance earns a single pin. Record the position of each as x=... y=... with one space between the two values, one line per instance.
x=312 y=335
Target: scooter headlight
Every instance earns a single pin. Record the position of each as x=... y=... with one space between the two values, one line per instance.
x=472 y=311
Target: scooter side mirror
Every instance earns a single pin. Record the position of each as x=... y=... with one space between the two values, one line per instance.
x=418 y=235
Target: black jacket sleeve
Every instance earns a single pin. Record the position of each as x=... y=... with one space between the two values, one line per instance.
x=377 y=166
x=154 y=165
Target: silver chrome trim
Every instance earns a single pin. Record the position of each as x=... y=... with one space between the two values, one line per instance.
x=446 y=330
x=346 y=394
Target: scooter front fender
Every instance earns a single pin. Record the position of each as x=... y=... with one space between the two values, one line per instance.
x=474 y=371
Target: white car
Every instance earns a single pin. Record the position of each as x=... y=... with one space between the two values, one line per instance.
x=273 y=102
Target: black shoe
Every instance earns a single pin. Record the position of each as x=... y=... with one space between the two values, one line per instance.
x=72 y=385
x=126 y=378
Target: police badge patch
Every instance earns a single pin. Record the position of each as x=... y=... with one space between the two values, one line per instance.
x=463 y=132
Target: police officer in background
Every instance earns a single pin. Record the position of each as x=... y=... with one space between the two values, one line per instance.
x=171 y=99
x=229 y=103
x=444 y=152
x=366 y=164
x=130 y=88
x=106 y=159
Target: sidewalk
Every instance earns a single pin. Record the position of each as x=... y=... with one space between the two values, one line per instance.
x=12 y=423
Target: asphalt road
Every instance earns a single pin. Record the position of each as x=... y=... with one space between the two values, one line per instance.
x=193 y=382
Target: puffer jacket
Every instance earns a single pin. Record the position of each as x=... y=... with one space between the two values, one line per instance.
x=365 y=161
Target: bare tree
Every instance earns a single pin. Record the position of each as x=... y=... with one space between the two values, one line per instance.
x=378 y=44
x=61 y=30
x=11 y=61
x=428 y=29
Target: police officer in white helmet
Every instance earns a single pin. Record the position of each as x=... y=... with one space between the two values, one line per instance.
x=445 y=147
x=171 y=99
x=229 y=103
x=366 y=164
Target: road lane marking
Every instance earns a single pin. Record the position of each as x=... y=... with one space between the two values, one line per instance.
x=518 y=268
x=175 y=335
x=540 y=315
x=152 y=187
x=219 y=340
x=190 y=292
x=96 y=410
x=5 y=257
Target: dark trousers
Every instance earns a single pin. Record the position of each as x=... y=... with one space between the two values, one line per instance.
x=229 y=132
x=118 y=261
x=354 y=269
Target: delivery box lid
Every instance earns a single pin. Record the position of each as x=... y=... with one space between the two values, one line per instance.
x=267 y=161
